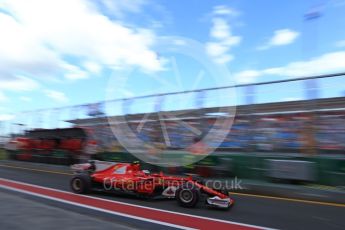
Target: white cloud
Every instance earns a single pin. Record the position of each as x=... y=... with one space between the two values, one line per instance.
x=283 y=37
x=38 y=35
x=6 y=117
x=56 y=96
x=216 y=49
x=224 y=58
x=18 y=83
x=247 y=76
x=280 y=38
x=225 y=10
x=74 y=72
x=22 y=50
x=340 y=43
x=120 y=8
x=2 y=97
x=220 y=29
x=26 y=99
x=222 y=38
x=92 y=67
x=328 y=63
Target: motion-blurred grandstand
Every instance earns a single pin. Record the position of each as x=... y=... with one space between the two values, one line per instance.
x=313 y=125
x=278 y=127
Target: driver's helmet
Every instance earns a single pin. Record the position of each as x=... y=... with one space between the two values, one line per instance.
x=135 y=166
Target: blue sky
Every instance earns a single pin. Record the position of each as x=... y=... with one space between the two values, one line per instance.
x=62 y=53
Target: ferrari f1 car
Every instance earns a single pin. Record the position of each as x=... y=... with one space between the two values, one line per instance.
x=128 y=178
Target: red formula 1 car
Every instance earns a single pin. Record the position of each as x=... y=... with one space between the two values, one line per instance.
x=128 y=178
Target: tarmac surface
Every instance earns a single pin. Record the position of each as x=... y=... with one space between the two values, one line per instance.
x=18 y=212
x=267 y=211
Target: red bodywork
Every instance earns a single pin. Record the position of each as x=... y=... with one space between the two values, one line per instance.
x=131 y=178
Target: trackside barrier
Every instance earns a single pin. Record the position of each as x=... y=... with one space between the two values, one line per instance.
x=56 y=157
x=327 y=170
x=295 y=170
x=3 y=154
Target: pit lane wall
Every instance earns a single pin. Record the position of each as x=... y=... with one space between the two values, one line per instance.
x=3 y=154
x=320 y=169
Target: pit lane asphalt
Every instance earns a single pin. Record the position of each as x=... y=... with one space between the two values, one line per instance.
x=272 y=213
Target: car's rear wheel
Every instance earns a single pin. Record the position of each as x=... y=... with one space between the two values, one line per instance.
x=81 y=184
x=187 y=196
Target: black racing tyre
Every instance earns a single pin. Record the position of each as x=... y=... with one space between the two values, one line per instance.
x=81 y=184
x=187 y=196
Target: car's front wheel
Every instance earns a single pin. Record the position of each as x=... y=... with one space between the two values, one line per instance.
x=187 y=196
x=81 y=184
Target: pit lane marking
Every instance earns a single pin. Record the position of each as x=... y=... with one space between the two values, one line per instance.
x=148 y=214
x=97 y=209
x=35 y=170
x=289 y=199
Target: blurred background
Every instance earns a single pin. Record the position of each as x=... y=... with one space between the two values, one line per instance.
x=246 y=94
x=294 y=140
x=279 y=112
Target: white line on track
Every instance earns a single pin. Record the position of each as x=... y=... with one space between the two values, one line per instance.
x=122 y=203
x=97 y=209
